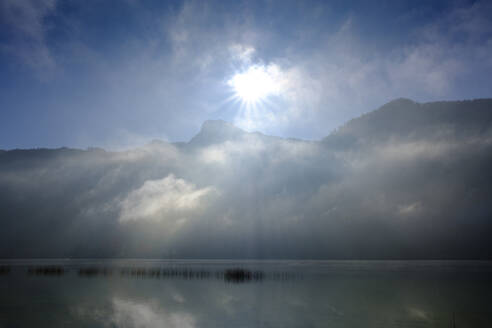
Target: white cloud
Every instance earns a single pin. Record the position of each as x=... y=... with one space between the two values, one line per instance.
x=168 y=198
x=409 y=209
x=242 y=53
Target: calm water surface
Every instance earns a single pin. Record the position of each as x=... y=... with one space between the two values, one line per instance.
x=287 y=294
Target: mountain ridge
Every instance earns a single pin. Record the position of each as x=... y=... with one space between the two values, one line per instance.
x=217 y=131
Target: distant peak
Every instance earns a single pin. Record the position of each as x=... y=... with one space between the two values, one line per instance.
x=157 y=142
x=216 y=131
x=217 y=125
x=401 y=101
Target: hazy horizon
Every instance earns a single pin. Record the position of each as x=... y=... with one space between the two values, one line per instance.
x=146 y=142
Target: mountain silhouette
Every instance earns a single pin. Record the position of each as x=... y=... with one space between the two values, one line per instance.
x=215 y=131
x=405 y=119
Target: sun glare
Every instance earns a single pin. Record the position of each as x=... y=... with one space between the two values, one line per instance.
x=257 y=90
x=254 y=85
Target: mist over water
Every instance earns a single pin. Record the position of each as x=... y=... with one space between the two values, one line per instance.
x=407 y=181
x=290 y=294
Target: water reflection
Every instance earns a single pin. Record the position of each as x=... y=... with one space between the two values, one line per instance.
x=234 y=275
x=324 y=297
x=4 y=269
x=131 y=314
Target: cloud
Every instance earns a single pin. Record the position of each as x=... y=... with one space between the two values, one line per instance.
x=242 y=53
x=371 y=190
x=25 y=19
x=204 y=37
x=427 y=69
x=344 y=72
x=409 y=209
x=164 y=199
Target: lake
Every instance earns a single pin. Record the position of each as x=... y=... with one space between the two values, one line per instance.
x=247 y=293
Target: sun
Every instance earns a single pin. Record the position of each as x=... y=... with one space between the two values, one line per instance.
x=254 y=84
x=259 y=92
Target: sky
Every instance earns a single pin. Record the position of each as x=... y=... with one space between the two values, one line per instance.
x=117 y=74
